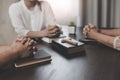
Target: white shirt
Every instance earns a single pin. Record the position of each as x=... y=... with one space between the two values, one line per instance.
x=23 y=20
x=116 y=43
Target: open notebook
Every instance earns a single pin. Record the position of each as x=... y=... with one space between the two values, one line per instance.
x=41 y=57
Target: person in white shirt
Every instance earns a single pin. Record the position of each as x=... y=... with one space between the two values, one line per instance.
x=33 y=18
x=109 y=37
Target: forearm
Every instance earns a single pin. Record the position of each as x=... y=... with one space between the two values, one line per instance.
x=112 y=32
x=7 y=57
x=107 y=40
x=3 y=48
x=35 y=34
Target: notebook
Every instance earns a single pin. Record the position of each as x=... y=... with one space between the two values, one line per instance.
x=40 y=57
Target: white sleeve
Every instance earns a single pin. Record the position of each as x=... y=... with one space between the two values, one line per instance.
x=17 y=21
x=50 y=18
x=116 y=43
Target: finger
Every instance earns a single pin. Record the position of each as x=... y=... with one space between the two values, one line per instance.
x=34 y=42
x=24 y=41
x=57 y=34
x=19 y=38
x=51 y=35
x=54 y=31
x=92 y=26
x=51 y=27
x=28 y=42
x=31 y=42
x=34 y=53
x=34 y=48
x=84 y=33
x=55 y=28
x=84 y=29
x=87 y=28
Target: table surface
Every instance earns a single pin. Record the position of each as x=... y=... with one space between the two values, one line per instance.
x=98 y=63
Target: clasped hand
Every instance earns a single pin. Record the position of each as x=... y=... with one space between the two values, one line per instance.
x=23 y=47
x=52 y=31
x=89 y=30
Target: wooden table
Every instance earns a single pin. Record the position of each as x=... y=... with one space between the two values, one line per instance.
x=99 y=63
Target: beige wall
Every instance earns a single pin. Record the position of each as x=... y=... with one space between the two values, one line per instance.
x=65 y=10
x=7 y=33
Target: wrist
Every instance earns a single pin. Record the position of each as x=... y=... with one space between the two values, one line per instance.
x=92 y=34
x=96 y=36
x=13 y=52
x=43 y=33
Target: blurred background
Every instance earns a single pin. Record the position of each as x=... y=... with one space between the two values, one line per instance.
x=104 y=13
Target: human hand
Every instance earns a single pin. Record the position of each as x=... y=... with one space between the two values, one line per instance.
x=23 y=47
x=52 y=31
x=32 y=43
x=89 y=29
